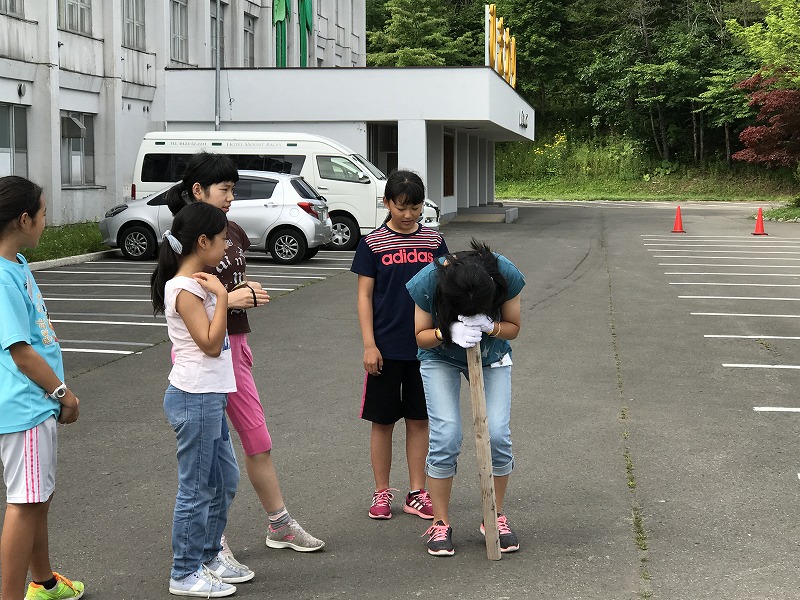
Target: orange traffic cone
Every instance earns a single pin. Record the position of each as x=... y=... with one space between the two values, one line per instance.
x=678 y=228
x=759 y=224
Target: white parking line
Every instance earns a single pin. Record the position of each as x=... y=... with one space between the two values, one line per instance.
x=714 y=246
x=739 y=284
x=753 y=337
x=776 y=409
x=716 y=314
x=87 y=285
x=732 y=274
x=90 y=351
x=89 y=299
x=108 y=322
x=725 y=257
x=740 y=298
x=744 y=366
x=724 y=265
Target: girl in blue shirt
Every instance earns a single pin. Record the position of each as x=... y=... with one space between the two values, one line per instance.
x=462 y=300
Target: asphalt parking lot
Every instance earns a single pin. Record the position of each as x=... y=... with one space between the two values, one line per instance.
x=655 y=421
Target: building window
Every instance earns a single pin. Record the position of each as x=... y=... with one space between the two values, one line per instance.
x=133 y=24
x=77 y=148
x=214 y=34
x=11 y=7
x=179 y=30
x=13 y=140
x=449 y=165
x=249 y=41
x=75 y=16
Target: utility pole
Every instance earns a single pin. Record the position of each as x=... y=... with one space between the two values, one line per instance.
x=216 y=70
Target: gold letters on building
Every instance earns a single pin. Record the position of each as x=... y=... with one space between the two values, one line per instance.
x=501 y=47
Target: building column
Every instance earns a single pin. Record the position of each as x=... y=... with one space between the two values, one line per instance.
x=412 y=147
x=462 y=169
x=481 y=172
x=490 y=193
x=473 y=172
x=44 y=116
x=435 y=181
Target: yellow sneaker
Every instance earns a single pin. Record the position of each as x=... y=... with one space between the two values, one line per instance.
x=64 y=589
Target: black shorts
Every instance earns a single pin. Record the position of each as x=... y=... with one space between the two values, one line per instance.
x=395 y=394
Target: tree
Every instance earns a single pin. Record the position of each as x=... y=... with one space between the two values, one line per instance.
x=413 y=36
x=777 y=141
x=775 y=42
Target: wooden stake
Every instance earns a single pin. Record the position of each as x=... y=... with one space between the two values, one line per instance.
x=478 y=397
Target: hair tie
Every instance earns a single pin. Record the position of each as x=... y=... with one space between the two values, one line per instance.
x=176 y=246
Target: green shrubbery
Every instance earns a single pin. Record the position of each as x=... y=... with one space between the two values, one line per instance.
x=615 y=168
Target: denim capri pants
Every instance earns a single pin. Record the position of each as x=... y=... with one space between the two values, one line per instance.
x=442 y=382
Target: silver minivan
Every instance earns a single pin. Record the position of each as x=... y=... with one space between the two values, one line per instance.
x=281 y=214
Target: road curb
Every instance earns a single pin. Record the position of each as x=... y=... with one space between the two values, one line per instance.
x=70 y=260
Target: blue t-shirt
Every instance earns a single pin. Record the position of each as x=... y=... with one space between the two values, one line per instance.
x=23 y=318
x=391 y=259
x=422 y=288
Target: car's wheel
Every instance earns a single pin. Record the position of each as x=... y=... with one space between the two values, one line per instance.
x=345 y=233
x=137 y=242
x=311 y=253
x=288 y=246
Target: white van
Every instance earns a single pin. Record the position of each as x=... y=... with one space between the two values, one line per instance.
x=352 y=186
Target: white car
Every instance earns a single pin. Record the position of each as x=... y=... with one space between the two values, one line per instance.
x=281 y=214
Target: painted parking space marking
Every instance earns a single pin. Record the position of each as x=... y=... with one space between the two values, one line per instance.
x=777 y=409
x=746 y=366
x=125 y=312
x=758 y=298
x=722 y=314
x=737 y=263
x=108 y=322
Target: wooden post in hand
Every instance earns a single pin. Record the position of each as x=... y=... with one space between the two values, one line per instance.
x=478 y=396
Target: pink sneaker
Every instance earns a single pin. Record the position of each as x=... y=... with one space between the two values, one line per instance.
x=419 y=503
x=382 y=504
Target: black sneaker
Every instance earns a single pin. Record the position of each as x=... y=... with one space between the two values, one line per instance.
x=440 y=542
x=508 y=539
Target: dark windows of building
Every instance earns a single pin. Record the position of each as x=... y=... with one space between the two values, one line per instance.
x=133 y=24
x=13 y=140
x=75 y=16
x=77 y=148
x=179 y=30
x=449 y=165
x=11 y=7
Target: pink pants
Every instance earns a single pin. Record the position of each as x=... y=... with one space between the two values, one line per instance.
x=244 y=406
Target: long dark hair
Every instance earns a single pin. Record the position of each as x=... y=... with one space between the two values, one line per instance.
x=17 y=197
x=188 y=225
x=469 y=283
x=205 y=168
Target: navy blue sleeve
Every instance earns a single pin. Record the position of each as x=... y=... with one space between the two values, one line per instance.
x=363 y=261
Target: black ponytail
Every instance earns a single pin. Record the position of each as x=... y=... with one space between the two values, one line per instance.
x=188 y=225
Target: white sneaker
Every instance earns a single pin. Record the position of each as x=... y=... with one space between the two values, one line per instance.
x=228 y=554
x=202 y=584
x=228 y=570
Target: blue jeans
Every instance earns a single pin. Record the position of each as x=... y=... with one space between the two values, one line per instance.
x=207 y=477
x=442 y=382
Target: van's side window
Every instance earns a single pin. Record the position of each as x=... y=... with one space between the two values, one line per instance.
x=164 y=167
x=288 y=163
x=337 y=168
x=249 y=189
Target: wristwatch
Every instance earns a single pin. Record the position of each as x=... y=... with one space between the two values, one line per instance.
x=59 y=392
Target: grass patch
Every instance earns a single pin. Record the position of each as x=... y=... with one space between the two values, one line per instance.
x=66 y=240
x=617 y=168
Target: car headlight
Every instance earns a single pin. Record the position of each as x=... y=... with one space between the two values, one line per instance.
x=116 y=210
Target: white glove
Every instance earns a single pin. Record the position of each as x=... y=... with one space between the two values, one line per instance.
x=465 y=335
x=482 y=322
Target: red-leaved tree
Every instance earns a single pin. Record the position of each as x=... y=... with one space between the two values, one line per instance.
x=776 y=140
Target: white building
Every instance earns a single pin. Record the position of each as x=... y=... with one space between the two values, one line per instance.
x=81 y=81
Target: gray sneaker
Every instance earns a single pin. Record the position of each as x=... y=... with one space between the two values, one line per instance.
x=202 y=584
x=293 y=536
x=228 y=570
x=227 y=553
